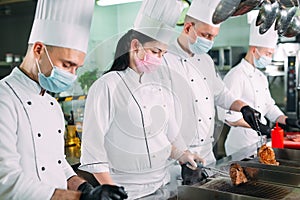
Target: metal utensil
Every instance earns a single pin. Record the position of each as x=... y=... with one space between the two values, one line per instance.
x=261 y=17
x=285 y=19
x=224 y=9
x=257 y=120
x=293 y=28
x=289 y=3
x=271 y=14
x=213 y=169
x=281 y=18
x=246 y=6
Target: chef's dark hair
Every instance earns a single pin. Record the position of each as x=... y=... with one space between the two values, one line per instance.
x=121 y=59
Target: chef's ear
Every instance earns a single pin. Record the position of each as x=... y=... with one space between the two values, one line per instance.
x=135 y=45
x=187 y=26
x=252 y=49
x=37 y=49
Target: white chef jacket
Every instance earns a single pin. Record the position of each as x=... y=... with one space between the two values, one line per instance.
x=198 y=86
x=251 y=86
x=32 y=141
x=113 y=138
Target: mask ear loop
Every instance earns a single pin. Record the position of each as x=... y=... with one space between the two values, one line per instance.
x=49 y=57
x=258 y=52
x=38 y=66
x=194 y=30
x=140 y=45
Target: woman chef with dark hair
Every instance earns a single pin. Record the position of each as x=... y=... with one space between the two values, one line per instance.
x=129 y=130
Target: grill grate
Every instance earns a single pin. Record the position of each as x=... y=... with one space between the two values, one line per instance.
x=255 y=189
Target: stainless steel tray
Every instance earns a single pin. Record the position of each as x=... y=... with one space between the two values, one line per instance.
x=287 y=154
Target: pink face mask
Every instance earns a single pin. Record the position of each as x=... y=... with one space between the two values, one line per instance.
x=149 y=64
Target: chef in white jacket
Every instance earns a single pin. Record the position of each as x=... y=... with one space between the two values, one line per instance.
x=250 y=84
x=195 y=81
x=130 y=135
x=33 y=164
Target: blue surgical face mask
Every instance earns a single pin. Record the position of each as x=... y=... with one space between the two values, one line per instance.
x=58 y=81
x=262 y=62
x=201 y=46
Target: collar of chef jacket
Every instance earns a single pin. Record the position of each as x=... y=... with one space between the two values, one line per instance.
x=248 y=68
x=23 y=78
x=175 y=49
x=133 y=74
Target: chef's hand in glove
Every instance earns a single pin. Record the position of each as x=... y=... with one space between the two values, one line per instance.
x=250 y=115
x=265 y=130
x=190 y=159
x=295 y=123
x=101 y=192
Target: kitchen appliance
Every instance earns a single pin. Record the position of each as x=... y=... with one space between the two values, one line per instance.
x=291 y=57
x=227 y=57
x=289 y=54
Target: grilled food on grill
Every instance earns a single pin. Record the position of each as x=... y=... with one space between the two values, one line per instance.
x=237 y=174
x=267 y=156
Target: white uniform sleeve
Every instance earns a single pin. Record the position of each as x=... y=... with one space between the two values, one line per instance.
x=14 y=184
x=174 y=135
x=233 y=83
x=97 y=119
x=69 y=172
x=223 y=96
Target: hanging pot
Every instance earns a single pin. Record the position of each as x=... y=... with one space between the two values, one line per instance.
x=270 y=15
x=266 y=7
x=285 y=24
x=246 y=6
x=289 y=3
x=281 y=18
x=224 y=9
x=293 y=28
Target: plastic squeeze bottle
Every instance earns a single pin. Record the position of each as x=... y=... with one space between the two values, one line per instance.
x=277 y=137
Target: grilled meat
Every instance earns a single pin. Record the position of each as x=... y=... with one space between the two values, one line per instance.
x=237 y=174
x=267 y=156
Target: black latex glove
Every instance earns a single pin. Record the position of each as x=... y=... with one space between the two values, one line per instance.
x=101 y=192
x=265 y=130
x=295 y=123
x=191 y=177
x=250 y=115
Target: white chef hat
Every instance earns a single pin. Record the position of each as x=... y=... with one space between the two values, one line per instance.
x=203 y=11
x=267 y=40
x=63 y=23
x=157 y=18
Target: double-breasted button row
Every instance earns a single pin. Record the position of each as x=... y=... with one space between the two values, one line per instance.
x=44 y=168
x=39 y=134
x=30 y=103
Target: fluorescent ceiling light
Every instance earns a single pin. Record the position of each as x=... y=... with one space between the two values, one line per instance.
x=114 y=2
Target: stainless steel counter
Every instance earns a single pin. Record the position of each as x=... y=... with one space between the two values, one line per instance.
x=170 y=190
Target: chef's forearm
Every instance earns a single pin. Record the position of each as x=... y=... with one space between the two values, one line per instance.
x=237 y=105
x=74 y=182
x=65 y=194
x=104 y=178
x=281 y=119
x=241 y=122
x=176 y=153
